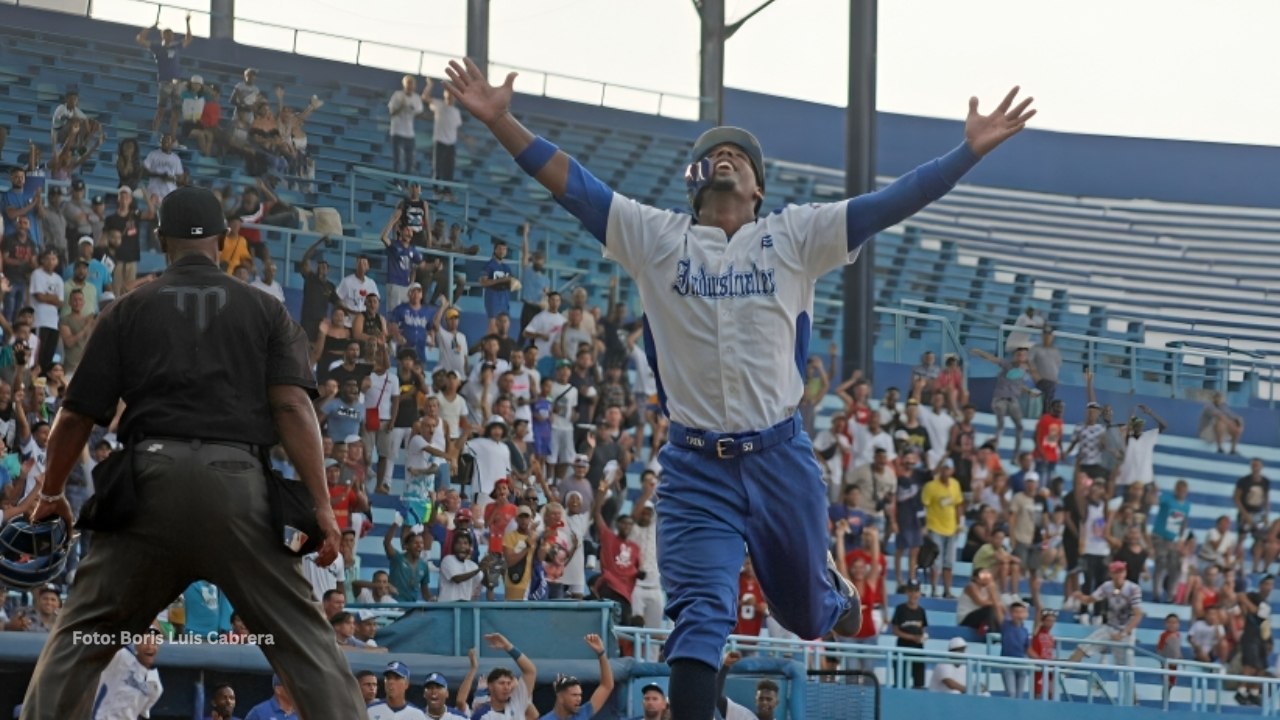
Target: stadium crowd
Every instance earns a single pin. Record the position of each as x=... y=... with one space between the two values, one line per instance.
x=509 y=456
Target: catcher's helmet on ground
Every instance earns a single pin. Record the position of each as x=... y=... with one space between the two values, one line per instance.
x=33 y=553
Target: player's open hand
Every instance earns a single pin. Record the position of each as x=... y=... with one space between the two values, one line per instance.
x=472 y=90
x=595 y=643
x=985 y=132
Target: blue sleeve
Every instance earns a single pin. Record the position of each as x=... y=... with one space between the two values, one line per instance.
x=587 y=198
x=870 y=213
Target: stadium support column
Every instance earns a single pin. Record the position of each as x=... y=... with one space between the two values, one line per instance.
x=711 y=85
x=222 y=19
x=478 y=33
x=860 y=175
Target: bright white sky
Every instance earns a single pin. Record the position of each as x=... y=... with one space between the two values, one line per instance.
x=1185 y=69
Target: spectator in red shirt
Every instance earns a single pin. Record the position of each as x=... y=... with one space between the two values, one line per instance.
x=345 y=499
x=855 y=392
x=1044 y=647
x=619 y=556
x=1049 y=440
x=499 y=514
x=752 y=607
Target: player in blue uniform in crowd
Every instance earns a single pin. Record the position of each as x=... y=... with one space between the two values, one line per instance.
x=728 y=296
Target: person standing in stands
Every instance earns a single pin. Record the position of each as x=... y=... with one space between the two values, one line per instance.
x=1139 y=464
x=1046 y=361
x=404 y=107
x=444 y=136
x=128 y=221
x=1167 y=534
x=167 y=51
x=403 y=260
x=1252 y=499
x=909 y=624
x=498 y=282
x=943 y=514
x=1011 y=384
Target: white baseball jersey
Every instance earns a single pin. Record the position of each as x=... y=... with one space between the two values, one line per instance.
x=730 y=320
x=126 y=689
x=382 y=711
x=734 y=711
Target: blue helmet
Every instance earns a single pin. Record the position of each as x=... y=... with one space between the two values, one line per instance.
x=33 y=553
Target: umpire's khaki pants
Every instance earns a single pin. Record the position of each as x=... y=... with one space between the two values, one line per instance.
x=202 y=514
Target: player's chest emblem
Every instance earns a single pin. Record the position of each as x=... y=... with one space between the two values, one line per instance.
x=732 y=282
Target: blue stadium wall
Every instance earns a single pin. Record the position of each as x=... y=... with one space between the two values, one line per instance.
x=804 y=132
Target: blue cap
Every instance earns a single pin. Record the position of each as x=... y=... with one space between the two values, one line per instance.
x=397 y=668
x=437 y=679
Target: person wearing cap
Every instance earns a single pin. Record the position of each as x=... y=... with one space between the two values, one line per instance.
x=280 y=706
x=1027 y=512
x=127 y=222
x=693 y=319
x=1091 y=438
x=403 y=259
x=435 y=693
x=493 y=461
x=410 y=321
x=78 y=277
x=450 y=340
x=943 y=519
x=1122 y=601
x=410 y=573
x=498 y=282
x=951 y=677
x=1014 y=379
x=245 y=96
x=653 y=703
x=909 y=622
x=1138 y=465
x=195 y=461
x=518 y=548
x=192 y=99
x=499 y=514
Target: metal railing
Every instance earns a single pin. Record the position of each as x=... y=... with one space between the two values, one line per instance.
x=949 y=337
x=1172 y=369
x=398 y=58
x=1205 y=689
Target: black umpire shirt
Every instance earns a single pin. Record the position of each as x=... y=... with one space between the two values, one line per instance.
x=192 y=355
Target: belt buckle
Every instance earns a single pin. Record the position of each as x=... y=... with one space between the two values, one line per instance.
x=724 y=448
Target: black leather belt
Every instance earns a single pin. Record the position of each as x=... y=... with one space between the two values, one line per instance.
x=195 y=444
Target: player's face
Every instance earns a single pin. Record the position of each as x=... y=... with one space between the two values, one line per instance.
x=501 y=689
x=396 y=685
x=224 y=701
x=731 y=169
x=571 y=698
x=369 y=688
x=435 y=695
x=146 y=653
x=766 y=702
x=654 y=704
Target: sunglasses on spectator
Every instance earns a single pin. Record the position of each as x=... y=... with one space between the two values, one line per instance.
x=563 y=682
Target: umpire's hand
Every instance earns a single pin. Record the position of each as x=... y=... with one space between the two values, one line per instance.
x=332 y=537
x=41 y=509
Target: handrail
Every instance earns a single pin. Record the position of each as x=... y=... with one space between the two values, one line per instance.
x=95 y=11
x=949 y=333
x=988 y=320
x=1130 y=347
x=1206 y=688
x=357 y=171
x=993 y=638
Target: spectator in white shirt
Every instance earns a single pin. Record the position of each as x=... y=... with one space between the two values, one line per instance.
x=951 y=677
x=355 y=287
x=444 y=135
x=47 y=293
x=266 y=282
x=460 y=576
x=404 y=106
x=1208 y=638
x=69 y=109
x=544 y=330
x=165 y=168
x=450 y=342
x=1221 y=546
x=493 y=461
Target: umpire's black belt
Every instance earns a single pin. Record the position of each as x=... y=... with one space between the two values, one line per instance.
x=195 y=443
x=731 y=445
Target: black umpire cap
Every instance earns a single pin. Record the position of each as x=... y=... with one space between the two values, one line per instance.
x=191 y=213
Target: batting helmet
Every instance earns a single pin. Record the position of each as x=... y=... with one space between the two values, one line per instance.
x=698 y=174
x=33 y=553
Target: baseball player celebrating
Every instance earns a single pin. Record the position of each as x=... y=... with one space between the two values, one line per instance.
x=728 y=296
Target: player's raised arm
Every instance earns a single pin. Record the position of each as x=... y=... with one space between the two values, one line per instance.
x=572 y=186
x=869 y=214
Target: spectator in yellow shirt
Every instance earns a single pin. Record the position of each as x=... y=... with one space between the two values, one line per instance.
x=943 y=510
x=235 y=248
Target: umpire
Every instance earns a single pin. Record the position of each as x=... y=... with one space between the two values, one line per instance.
x=210 y=371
